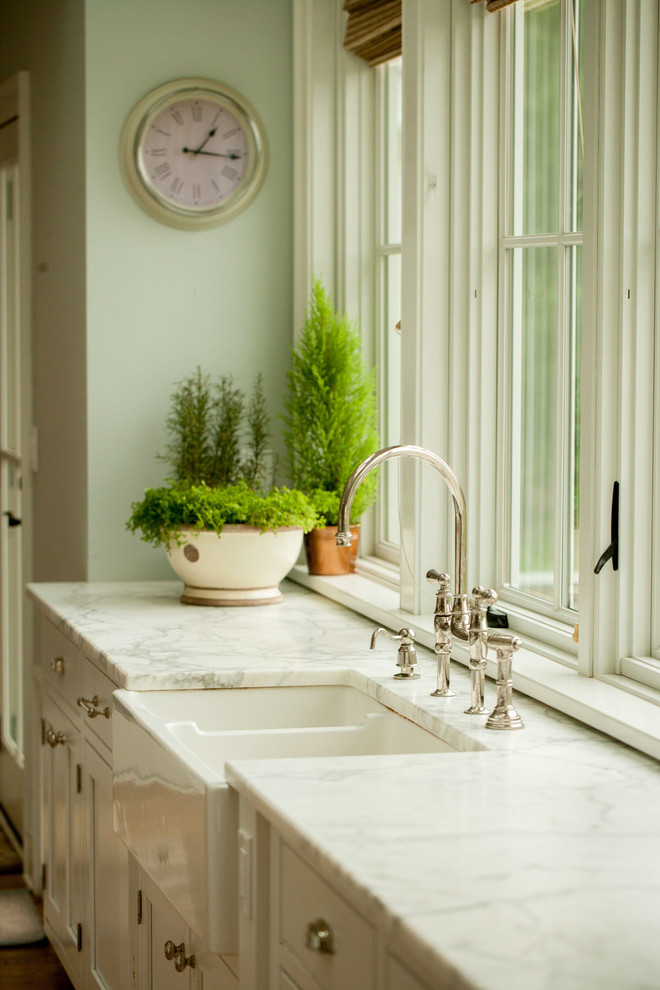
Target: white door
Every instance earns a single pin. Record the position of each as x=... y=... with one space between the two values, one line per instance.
x=14 y=435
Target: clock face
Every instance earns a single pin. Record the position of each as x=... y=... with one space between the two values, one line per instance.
x=193 y=153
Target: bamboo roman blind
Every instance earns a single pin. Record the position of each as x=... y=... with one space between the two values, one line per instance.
x=373 y=29
x=494 y=5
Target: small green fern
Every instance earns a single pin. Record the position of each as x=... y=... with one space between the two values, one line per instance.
x=163 y=512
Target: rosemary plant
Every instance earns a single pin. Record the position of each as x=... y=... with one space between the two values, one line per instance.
x=207 y=433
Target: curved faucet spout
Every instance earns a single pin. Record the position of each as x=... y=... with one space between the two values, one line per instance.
x=409 y=450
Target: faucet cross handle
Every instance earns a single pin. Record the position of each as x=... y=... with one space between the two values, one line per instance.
x=483 y=598
x=443 y=600
x=442 y=580
x=406 y=655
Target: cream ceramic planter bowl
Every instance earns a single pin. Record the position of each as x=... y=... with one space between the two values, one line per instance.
x=242 y=566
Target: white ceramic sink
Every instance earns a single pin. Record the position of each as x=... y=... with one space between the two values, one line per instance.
x=172 y=805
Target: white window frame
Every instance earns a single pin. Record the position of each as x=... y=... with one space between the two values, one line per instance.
x=624 y=285
x=561 y=240
x=453 y=50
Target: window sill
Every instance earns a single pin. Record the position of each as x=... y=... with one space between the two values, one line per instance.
x=603 y=705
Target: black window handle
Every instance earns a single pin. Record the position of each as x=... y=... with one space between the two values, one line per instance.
x=12 y=520
x=612 y=551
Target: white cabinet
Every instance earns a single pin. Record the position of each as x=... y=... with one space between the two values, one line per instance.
x=319 y=940
x=62 y=823
x=299 y=932
x=165 y=953
x=85 y=866
x=106 y=871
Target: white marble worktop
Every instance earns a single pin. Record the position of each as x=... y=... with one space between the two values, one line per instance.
x=527 y=860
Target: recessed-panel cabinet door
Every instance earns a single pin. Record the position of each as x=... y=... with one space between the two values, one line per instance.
x=63 y=832
x=165 y=932
x=106 y=934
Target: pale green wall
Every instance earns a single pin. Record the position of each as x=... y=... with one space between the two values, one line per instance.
x=124 y=306
x=159 y=300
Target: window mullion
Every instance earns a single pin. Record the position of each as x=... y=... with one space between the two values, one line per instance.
x=564 y=324
x=562 y=428
x=655 y=575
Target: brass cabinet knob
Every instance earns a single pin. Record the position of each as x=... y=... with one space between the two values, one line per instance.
x=319 y=937
x=178 y=954
x=57 y=665
x=55 y=738
x=181 y=960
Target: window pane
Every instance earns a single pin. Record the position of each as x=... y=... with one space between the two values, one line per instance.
x=536 y=157
x=576 y=123
x=392 y=184
x=533 y=419
x=572 y=499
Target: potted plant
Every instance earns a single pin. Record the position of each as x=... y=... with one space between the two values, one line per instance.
x=331 y=425
x=229 y=538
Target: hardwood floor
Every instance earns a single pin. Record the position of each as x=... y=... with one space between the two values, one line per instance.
x=31 y=966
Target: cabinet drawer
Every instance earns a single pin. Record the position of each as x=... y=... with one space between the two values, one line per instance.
x=95 y=702
x=306 y=899
x=60 y=663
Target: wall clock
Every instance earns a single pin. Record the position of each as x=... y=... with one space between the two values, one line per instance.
x=193 y=153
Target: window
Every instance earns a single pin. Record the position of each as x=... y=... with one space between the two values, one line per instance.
x=541 y=285
x=529 y=260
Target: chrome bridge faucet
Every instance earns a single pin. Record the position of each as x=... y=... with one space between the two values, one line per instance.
x=454 y=616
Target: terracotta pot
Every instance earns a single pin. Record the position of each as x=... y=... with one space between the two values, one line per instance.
x=325 y=557
x=242 y=566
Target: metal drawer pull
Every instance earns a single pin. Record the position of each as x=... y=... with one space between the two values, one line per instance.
x=178 y=954
x=319 y=937
x=91 y=707
x=55 y=738
x=57 y=665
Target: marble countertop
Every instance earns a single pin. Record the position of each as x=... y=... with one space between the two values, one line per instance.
x=525 y=860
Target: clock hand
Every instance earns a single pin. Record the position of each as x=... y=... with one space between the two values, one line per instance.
x=208 y=136
x=214 y=154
